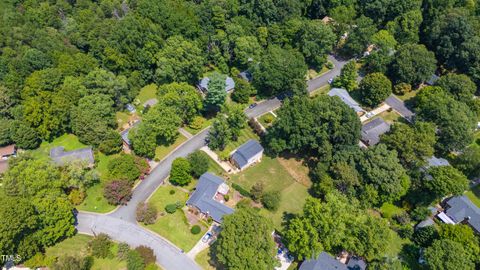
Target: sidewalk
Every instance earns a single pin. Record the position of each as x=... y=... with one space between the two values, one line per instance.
x=374 y=112
x=224 y=165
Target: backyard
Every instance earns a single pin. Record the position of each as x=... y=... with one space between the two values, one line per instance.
x=68 y=141
x=266 y=120
x=474 y=195
x=146 y=93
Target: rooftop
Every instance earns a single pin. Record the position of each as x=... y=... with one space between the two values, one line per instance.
x=461 y=208
x=372 y=130
x=399 y=106
x=151 y=102
x=125 y=132
x=7 y=150
x=433 y=79
x=433 y=161
x=60 y=157
x=229 y=84
x=203 y=197
x=246 y=75
x=346 y=98
x=323 y=262
x=246 y=151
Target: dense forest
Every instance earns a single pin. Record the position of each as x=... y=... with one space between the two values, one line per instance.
x=68 y=66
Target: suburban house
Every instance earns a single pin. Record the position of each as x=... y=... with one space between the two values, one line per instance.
x=347 y=99
x=150 y=103
x=372 y=130
x=124 y=135
x=399 y=106
x=208 y=197
x=326 y=262
x=460 y=209
x=429 y=220
x=60 y=157
x=247 y=154
x=229 y=84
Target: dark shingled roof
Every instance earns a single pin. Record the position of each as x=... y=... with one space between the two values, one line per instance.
x=460 y=208
x=372 y=130
x=60 y=157
x=323 y=262
x=203 y=197
x=124 y=133
x=399 y=106
x=246 y=151
x=356 y=263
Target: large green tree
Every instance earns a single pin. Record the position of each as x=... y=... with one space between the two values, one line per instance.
x=183 y=98
x=448 y=255
x=375 y=88
x=445 y=180
x=348 y=77
x=459 y=85
x=315 y=40
x=216 y=91
x=413 y=64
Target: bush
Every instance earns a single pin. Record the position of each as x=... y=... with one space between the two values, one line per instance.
x=195 y=229
x=244 y=203
x=241 y=190
x=329 y=65
x=172 y=191
x=420 y=213
x=147 y=254
x=256 y=191
x=122 y=252
x=197 y=123
x=171 y=208
x=111 y=143
x=146 y=213
x=424 y=237
x=123 y=167
x=268 y=118
x=271 y=200
x=402 y=89
x=76 y=196
x=100 y=246
x=180 y=173
x=118 y=192
x=199 y=163
x=226 y=197
x=135 y=261
x=72 y=263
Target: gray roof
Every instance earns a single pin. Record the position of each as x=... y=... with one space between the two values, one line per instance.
x=130 y=108
x=346 y=98
x=433 y=79
x=229 y=84
x=246 y=75
x=323 y=262
x=356 y=263
x=125 y=132
x=460 y=208
x=151 y=102
x=372 y=130
x=203 y=197
x=60 y=157
x=437 y=162
x=399 y=106
x=246 y=151
x=425 y=223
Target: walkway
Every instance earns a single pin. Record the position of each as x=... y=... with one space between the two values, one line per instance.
x=374 y=112
x=225 y=165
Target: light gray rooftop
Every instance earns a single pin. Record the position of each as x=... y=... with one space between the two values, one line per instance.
x=437 y=162
x=229 y=83
x=60 y=157
x=461 y=208
x=246 y=151
x=151 y=102
x=372 y=130
x=124 y=133
x=399 y=106
x=346 y=98
x=323 y=262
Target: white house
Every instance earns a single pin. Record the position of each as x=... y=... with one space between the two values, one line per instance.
x=247 y=154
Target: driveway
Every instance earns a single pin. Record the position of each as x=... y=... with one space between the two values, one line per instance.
x=168 y=256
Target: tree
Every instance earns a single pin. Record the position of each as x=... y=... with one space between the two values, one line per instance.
x=405 y=27
x=359 y=38
x=100 y=246
x=118 y=192
x=459 y=85
x=111 y=144
x=219 y=134
x=247 y=50
x=180 y=173
x=313 y=127
x=254 y=232
x=183 y=98
x=236 y=119
x=448 y=255
x=375 y=88
x=446 y=180
x=402 y=89
x=256 y=192
x=348 y=77
x=123 y=167
x=243 y=91
x=147 y=254
x=425 y=236
x=413 y=64
x=179 y=60
x=280 y=70
x=66 y=262
x=315 y=40
x=24 y=136
x=216 y=91
x=199 y=163
x=146 y=213
x=464 y=235
x=271 y=200
x=413 y=144
x=381 y=168
x=135 y=260
x=100 y=81
x=469 y=162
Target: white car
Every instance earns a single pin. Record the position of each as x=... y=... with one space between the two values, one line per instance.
x=330 y=81
x=206 y=237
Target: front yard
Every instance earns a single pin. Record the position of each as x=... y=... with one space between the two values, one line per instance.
x=245 y=135
x=266 y=120
x=474 y=195
x=163 y=150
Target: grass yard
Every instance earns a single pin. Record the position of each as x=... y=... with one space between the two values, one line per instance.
x=173 y=227
x=163 y=150
x=312 y=73
x=206 y=123
x=245 y=135
x=214 y=168
x=264 y=119
x=321 y=91
x=389 y=116
x=409 y=95
x=203 y=259
x=474 y=195
x=388 y=210
x=77 y=245
x=146 y=93
x=122 y=118
x=68 y=141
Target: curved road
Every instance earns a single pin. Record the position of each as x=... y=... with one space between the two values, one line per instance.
x=121 y=224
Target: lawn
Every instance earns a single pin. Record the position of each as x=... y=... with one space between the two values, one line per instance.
x=173 y=227
x=389 y=210
x=474 y=195
x=321 y=91
x=245 y=135
x=68 y=141
x=213 y=167
x=312 y=73
x=263 y=119
x=288 y=177
x=203 y=259
x=77 y=245
x=389 y=116
x=146 y=93
x=409 y=95
x=163 y=150
x=206 y=123
x=122 y=118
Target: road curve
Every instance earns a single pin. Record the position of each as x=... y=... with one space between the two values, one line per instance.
x=168 y=256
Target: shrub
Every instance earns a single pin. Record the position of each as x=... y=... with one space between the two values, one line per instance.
x=111 y=143
x=122 y=252
x=100 y=246
x=226 y=197
x=268 y=118
x=72 y=263
x=118 y=192
x=420 y=213
x=199 y=163
x=172 y=191
x=146 y=213
x=76 y=196
x=271 y=200
x=241 y=190
x=123 y=167
x=425 y=236
x=402 y=89
x=329 y=65
x=135 y=260
x=171 y=208
x=147 y=254
x=244 y=203
x=256 y=191
x=197 y=123
x=142 y=165
x=180 y=173
x=195 y=229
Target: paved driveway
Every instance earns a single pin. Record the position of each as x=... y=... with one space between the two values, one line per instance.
x=168 y=256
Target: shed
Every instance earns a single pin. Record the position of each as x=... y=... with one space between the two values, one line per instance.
x=346 y=98
x=372 y=130
x=247 y=154
x=62 y=157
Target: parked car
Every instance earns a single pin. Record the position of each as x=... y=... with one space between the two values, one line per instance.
x=253 y=105
x=330 y=81
x=206 y=237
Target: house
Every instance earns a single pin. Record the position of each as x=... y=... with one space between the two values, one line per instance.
x=60 y=157
x=150 y=103
x=247 y=154
x=372 y=130
x=8 y=151
x=460 y=209
x=433 y=79
x=429 y=220
x=347 y=99
x=130 y=108
x=124 y=135
x=399 y=106
x=229 y=84
x=246 y=75
x=208 y=197
x=326 y=262
x=433 y=161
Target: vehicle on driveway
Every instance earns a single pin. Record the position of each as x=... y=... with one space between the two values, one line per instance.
x=206 y=237
x=330 y=81
x=253 y=105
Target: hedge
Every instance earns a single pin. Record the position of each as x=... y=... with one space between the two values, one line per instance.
x=241 y=190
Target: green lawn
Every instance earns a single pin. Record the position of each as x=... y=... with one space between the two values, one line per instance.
x=68 y=141
x=213 y=167
x=203 y=259
x=77 y=246
x=206 y=123
x=122 y=118
x=321 y=91
x=388 y=210
x=245 y=135
x=389 y=116
x=163 y=150
x=173 y=227
x=409 y=95
x=262 y=119
x=474 y=195
x=146 y=93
